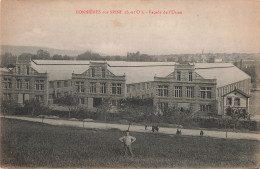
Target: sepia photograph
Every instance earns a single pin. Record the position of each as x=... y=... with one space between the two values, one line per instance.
x=130 y=84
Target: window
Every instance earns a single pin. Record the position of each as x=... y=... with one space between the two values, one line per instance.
x=27 y=84
x=103 y=88
x=163 y=106
x=143 y=86
x=92 y=87
x=79 y=87
x=58 y=84
x=103 y=73
x=113 y=102
x=51 y=84
x=7 y=83
x=179 y=76
x=39 y=98
x=178 y=91
x=237 y=102
x=190 y=92
x=27 y=70
x=81 y=101
x=116 y=88
x=66 y=93
x=92 y=72
x=190 y=76
x=51 y=96
x=205 y=92
x=127 y=89
x=147 y=86
x=66 y=83
x=39 y=84
x=7 y=96
x=18 y=84
x=18 y=69
x=163 y=90
x=205 y=108
x=133 y=88
x=229 y=101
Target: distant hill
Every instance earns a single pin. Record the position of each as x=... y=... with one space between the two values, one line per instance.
x=17 y=50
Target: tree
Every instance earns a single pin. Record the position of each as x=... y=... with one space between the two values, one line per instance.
x=71 y=102
x=35 y=107
x=236 y=113
x=136 y=109
x=42 y=54
x=105 y=107
x=9 y=106
x=7 y=59
x=57 y=57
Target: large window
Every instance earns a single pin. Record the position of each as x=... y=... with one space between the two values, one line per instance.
x=92 y=72
x=116 y=88
x=81 y=101
x=163 y=90
x=39 y=98
x=229 y=101
x=7 y=83
x=179 y=76
x=18 y=83
x=79 y=87
x=103 y=73
x=7 y=96
x=39 y=84
x=27 y=84
x=103 y=88
x=190 y=76
x=51 y=85
x=27 y=70
x=205 y=92
x=92 y=87
x=237 y=102
x=190 y=92
x=66 y=83
x=147 y=86
x=58 y=84
x=18 y=69
x=163 y=106
x=177 y=91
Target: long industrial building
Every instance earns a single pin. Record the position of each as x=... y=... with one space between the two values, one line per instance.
x=198 y=87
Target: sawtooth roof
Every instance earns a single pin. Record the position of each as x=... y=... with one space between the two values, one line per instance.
x=136 y=72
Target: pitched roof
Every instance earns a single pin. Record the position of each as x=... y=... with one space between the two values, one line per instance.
x=238 y=91
x=136 y=72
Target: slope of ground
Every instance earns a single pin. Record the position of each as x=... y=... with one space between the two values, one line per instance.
x=31 y=144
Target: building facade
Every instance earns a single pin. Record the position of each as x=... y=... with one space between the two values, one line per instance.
x=23 y=83
x=183 y=89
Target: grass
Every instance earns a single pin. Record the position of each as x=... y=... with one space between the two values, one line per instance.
x=30 y=144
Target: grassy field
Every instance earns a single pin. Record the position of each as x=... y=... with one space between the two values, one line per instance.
x=29 y=144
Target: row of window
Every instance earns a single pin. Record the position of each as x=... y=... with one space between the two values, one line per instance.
x=8 y=96
x=116 y=87
x=93 y=73
x=179 y=76
x=27 y=70
x=65 y=84
x=204 y=108
x=7 y=84
x=143 y=86
x=163 y=91
x=236 y=101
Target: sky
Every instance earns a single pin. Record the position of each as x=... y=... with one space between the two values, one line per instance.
x=231 y=26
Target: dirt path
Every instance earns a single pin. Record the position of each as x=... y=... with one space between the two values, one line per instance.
x=95 y=125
